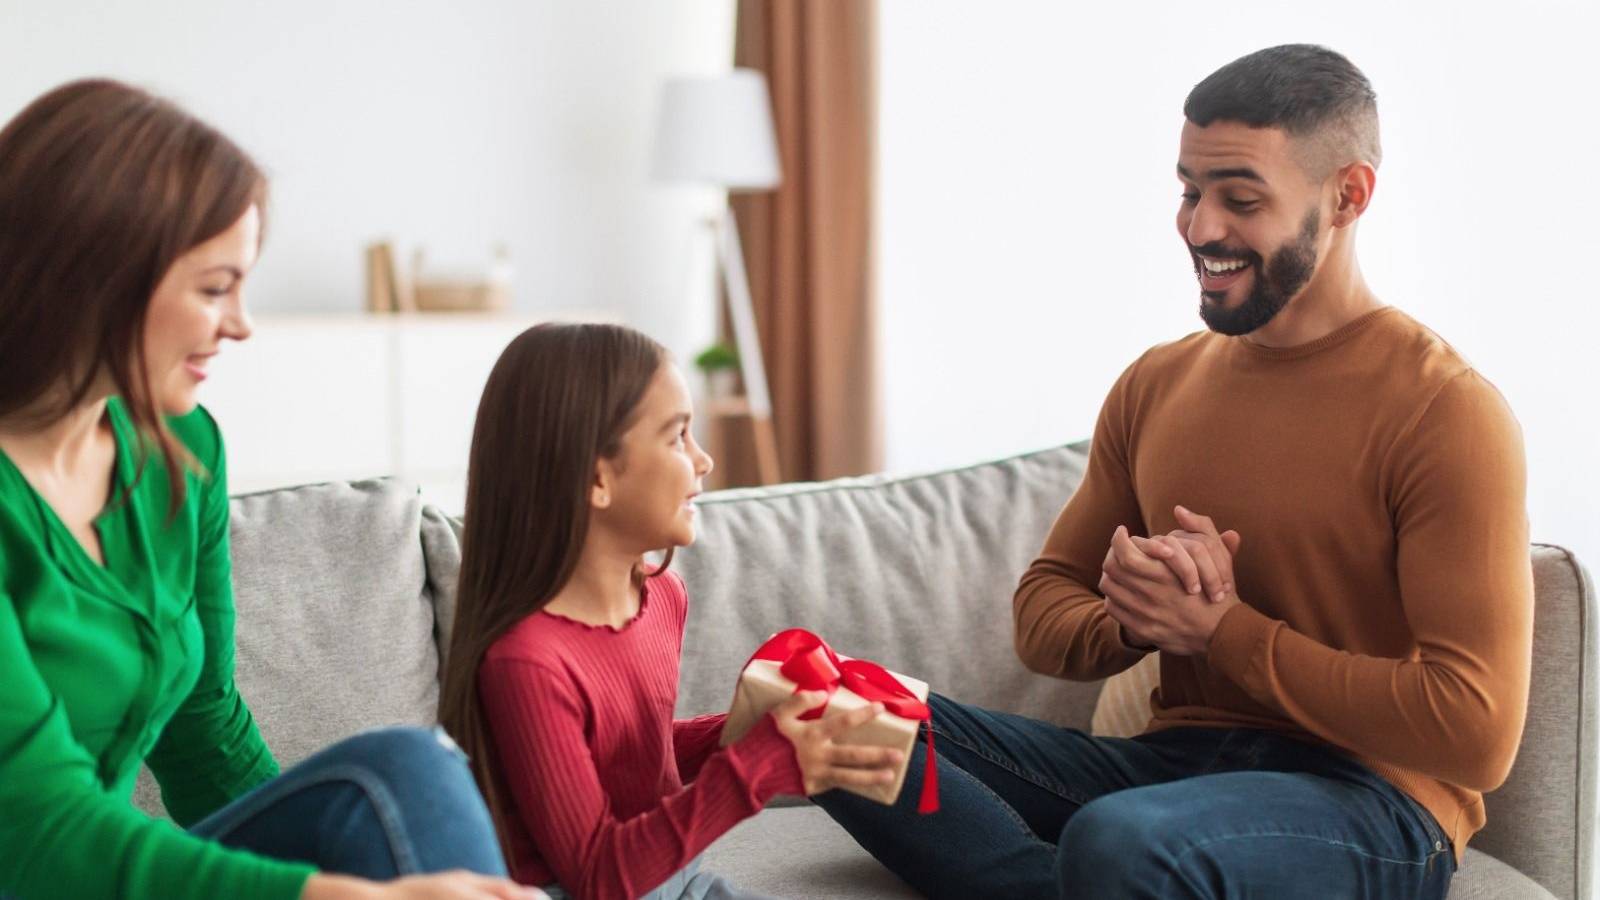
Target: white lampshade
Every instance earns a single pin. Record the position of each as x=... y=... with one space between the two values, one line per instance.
x=717 y=131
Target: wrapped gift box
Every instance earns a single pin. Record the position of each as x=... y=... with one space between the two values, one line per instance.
x=762 y=685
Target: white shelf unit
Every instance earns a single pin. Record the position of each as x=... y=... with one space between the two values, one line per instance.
x=312 y=398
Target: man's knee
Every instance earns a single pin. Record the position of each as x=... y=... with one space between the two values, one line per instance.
x=1119 y=840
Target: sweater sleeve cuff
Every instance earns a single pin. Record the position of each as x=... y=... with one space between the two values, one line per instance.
x=244 y=874
x=1130 y=654
x=1121 y=637
x=767 y=758
x=1240 y=648
x=288 y=880
x=701 y=728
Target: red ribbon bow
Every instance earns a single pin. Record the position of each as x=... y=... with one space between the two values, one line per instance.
x=811 y=664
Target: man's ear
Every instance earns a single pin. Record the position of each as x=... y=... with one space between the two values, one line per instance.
x=1353 y=185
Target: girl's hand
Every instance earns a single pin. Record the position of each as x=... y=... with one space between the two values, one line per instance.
x=457 y=885
x=825 y=765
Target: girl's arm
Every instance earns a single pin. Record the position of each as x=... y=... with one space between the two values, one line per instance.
x=538 y=724
x=693 y=740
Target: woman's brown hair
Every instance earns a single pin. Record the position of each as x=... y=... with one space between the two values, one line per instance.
x=559 y=400
x=102 y=188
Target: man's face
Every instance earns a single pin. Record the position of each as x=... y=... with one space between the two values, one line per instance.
x=1250 y=218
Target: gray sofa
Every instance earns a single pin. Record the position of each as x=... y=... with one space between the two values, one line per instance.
x=346 y=592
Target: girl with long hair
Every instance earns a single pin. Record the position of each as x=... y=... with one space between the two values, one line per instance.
x=562 y=673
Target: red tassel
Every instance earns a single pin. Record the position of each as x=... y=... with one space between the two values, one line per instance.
x=929 y=803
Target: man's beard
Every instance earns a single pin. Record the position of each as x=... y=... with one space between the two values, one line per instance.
x=1274 y=284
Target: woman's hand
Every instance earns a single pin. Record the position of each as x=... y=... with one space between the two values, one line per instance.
x=825 y=765
x=459 y=885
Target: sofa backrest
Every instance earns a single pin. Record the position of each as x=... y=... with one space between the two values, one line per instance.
x=345 y=592
x=915 y=573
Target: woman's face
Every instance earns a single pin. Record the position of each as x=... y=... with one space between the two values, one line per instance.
x=198 y=303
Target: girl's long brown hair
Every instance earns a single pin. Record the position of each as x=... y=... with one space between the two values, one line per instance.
x=558 y=400
x=102 y=187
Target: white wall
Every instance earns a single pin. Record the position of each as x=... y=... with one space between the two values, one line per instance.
x=454 y=125
x=1027 y=245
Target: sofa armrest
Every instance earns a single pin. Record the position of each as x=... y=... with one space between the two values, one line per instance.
x=1541 y=821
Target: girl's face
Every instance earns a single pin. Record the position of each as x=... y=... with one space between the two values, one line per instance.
x=644 y=495
x=197 y=304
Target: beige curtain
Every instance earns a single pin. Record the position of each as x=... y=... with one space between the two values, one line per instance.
x=808 y=245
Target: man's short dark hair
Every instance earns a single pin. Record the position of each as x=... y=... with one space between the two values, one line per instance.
x=1315 y=94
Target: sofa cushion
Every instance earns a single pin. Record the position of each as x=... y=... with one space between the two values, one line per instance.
x=798 y=851
x=818 y=854
x=781 y=849
x=1123 y=708
x=1482 y=877
x=335 y=623
x=441 y=556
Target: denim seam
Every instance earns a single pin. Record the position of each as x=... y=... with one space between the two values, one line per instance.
x=1061 y=791
x=1426 y=864
x=377 y=795
x=1215 y=765
x=1257 y=749
x=1011 y=811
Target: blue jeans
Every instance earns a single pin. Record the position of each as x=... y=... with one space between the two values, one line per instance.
x=1030 y=809
x=385 y=803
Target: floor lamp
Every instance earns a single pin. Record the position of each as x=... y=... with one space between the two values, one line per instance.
x=718 y=131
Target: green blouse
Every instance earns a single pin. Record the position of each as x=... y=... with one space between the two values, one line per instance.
x=104 y=667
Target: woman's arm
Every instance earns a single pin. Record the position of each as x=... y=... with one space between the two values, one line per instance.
x=211 y=751
x=63 y=835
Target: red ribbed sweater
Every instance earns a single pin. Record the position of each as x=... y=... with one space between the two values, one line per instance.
x=596 y=766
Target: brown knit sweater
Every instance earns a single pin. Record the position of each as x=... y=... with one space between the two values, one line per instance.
x=1378 y=483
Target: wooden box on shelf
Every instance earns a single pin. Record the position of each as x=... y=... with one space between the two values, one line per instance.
x=460 y=296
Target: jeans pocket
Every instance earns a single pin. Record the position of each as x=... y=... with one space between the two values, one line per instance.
x=1430 y=826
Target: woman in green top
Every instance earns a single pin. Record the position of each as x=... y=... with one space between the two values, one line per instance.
x=126 y=230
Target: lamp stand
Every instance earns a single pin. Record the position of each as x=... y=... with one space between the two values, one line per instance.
x=756 y=404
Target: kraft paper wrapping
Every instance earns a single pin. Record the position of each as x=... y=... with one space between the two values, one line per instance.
x=762 y=686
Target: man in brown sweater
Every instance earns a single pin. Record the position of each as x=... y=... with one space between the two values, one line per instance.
x=1314 y=511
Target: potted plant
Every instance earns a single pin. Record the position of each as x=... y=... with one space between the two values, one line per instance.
x=719 y=363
